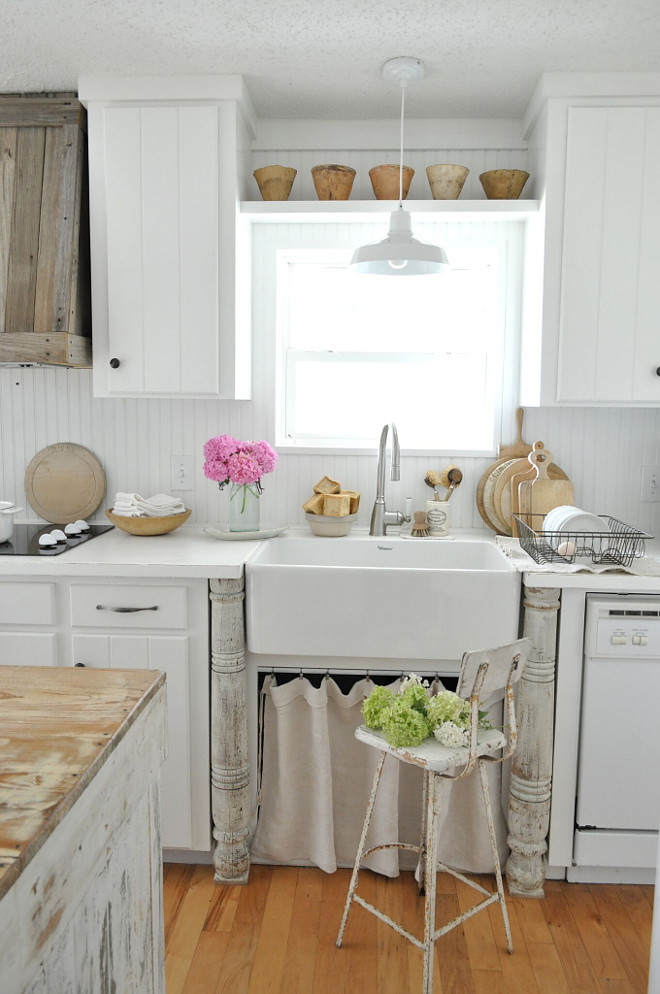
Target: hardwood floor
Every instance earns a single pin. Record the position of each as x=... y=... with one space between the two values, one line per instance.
x=278 y=934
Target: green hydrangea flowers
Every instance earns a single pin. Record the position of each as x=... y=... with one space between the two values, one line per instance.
x=410 y=716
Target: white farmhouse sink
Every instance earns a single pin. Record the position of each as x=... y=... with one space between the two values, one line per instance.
x=379 y=597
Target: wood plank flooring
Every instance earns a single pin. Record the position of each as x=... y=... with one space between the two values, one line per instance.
x=277 y=936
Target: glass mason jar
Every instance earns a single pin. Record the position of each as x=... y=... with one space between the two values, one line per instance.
x=243 y=507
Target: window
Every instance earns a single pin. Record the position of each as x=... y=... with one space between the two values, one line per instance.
x=427 y=352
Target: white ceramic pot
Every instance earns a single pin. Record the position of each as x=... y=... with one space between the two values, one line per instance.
x=7 y=511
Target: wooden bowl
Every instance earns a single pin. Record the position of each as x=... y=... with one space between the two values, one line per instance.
x=148 y=526
x=333 y=182
x=385 y=181
x=446 y=180
x=503 y=184
x=275 y=182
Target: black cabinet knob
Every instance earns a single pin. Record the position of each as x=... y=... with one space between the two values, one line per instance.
x=657 y=372
x=115 y=363
x=79 y=664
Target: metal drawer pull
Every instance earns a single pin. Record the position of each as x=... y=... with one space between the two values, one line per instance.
x=125 y=610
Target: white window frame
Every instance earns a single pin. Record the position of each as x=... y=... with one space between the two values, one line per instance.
x=506 y=390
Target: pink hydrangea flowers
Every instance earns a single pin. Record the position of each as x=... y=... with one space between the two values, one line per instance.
x=229 y=461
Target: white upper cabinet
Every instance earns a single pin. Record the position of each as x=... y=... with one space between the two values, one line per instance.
x=170 y=292
x=590 y=323
x=609 y=345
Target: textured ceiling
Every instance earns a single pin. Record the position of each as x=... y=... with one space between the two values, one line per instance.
x=322 y=58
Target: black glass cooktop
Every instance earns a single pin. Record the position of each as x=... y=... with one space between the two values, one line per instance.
x=24 y=540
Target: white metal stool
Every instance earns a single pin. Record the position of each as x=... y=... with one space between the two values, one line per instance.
x=486 y=676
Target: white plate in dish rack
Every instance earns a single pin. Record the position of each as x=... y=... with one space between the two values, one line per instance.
x=246 y=536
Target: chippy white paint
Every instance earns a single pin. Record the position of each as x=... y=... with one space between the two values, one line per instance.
x=531 y=774
x=484 y=674
x=85 y=912
x=230 y=770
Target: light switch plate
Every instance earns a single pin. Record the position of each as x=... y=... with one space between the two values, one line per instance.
x=650 y=483
x=182 y=472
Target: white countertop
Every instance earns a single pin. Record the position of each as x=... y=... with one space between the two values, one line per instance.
x=187 y=552
x=190 y=552
x=610 y=581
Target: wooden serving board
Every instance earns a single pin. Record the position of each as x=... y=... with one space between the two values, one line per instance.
x=520 y=449
x=64 y=482
x=506 y=488
x=540 y=495
x=484 y=500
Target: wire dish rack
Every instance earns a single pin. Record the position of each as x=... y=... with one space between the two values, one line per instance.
x=618 y=543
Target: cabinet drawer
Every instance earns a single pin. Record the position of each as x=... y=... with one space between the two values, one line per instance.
x=27 y=603
x=128 y=606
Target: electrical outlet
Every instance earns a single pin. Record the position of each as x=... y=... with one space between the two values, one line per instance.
x=182 y=472
x=650 y=483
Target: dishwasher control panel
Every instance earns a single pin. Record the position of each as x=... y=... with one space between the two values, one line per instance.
x=623 y=626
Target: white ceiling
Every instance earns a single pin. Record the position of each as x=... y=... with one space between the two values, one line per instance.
x=322 y=58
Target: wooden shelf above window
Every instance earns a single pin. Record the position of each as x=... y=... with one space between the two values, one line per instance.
x=377 y=210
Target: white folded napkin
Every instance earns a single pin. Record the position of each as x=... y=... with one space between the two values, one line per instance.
x=158 y=506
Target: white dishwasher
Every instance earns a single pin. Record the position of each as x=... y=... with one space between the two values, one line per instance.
x=618 y=789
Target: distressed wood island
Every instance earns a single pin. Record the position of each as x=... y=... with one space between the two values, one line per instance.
x=80 y=854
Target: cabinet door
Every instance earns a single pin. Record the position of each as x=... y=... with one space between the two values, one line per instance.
x=610 y=291
x=28 y=649
x=170 y=654
x=160 y=190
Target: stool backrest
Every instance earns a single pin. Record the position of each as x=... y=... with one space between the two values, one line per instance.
x=503 y=668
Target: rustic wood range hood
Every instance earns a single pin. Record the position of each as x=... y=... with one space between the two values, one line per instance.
x=44 y=231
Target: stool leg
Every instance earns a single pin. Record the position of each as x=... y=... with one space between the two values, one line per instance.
x=430 y=877
x=421 y=866
x=361 y=847
x=496 y=857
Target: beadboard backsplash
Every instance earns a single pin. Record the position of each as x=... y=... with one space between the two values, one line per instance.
x=602 y=450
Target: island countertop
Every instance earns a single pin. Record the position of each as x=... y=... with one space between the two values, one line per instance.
x=58 y=727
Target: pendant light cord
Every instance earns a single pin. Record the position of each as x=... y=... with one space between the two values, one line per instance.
x=403 y=101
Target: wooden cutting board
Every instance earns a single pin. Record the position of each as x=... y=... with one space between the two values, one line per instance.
x=540 y=495
x=520 y=449
x=489 y=493
x=506 y=453
x=506 y=488
x=64 y=482
x=489 y=517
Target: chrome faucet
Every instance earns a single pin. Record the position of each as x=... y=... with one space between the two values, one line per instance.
x=380 y=517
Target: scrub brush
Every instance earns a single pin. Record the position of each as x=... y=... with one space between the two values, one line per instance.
x=450 y=478
x=434 y=480
x=419 y=528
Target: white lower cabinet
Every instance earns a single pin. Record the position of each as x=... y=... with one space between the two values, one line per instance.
x=131 y=624
x=28 y=623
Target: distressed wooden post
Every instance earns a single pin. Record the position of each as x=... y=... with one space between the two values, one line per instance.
x=531 y=772
x=230 y=771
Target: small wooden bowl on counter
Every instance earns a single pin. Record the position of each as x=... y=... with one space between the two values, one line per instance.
x=148 y=526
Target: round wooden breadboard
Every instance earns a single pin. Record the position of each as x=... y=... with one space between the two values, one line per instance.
x=487 y=503
x=64 y=482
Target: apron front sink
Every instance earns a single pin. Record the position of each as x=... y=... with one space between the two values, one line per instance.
x=366 y=597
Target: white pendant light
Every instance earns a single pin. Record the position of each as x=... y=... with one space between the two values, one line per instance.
x=400 y=254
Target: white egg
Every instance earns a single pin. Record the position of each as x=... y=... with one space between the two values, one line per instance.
x=566 y=549
x=47 y=540
x=72 y=529
x=58 y=535
x=82 y=525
